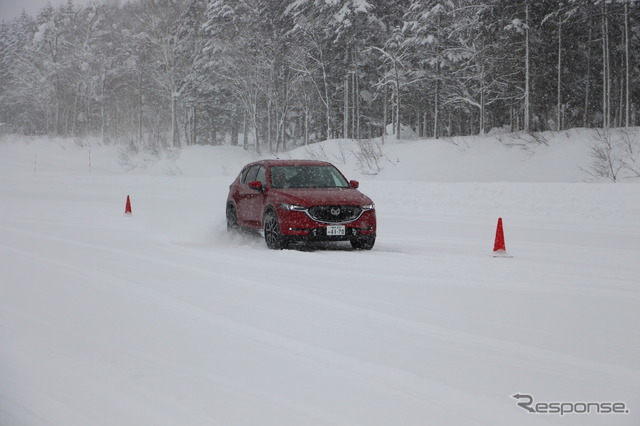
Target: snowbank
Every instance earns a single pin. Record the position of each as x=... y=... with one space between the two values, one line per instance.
x=509 y=157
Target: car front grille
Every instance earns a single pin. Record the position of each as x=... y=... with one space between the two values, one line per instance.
x=334 y=214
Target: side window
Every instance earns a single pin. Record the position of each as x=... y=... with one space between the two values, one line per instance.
x=251 y=174
x=262 y=176
x=243 y=175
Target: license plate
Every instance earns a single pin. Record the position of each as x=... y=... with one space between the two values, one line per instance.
x=336 y=230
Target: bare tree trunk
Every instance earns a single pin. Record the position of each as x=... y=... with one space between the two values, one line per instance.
x=559 y=107
x=327 y=105
x=398 y=121
x=57 y=116
x=587 y=91
x=187 y=126
x=175 y=137
x=234 y=127
x=140 y=112
x=436 y=105
x=306 y=118
x=285 y=107
x=606 y=23
x=194 y=131
x=269 y=136
x=620 y=114
x=190 y=125
x=482 y=103
x=357 y=103
x=527 y=72
x=385 y=113
x=103 y=115
x=345 y=129
x=605 y=68
x=74 y=113
x=256 y=140
x=245 y=129
x=283 y=132
x=353 y=105
x=254 y=120
x=425 y=123
x=626 y=55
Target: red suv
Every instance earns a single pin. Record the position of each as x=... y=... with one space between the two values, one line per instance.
x=300 y=200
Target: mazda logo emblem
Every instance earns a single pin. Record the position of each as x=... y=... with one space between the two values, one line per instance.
x=335 y=211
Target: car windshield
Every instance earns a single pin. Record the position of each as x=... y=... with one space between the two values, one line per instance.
x=307 y=177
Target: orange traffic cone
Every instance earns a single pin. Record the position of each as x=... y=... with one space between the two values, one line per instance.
x=127 y=207
x=499 y=248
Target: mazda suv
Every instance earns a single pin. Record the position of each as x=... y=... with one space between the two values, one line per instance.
x=299 y=201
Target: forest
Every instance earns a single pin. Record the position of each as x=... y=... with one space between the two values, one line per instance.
x=270 y=74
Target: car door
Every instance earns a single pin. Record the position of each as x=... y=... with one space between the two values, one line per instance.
x=256 y=203
x=249 y=201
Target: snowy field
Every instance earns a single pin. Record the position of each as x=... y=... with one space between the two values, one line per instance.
x=162 y=318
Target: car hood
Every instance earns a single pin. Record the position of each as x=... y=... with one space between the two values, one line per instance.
x=308 y=197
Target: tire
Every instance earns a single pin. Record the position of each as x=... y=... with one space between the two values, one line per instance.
x=272 y=236
x=232 y=218
x=363 y=243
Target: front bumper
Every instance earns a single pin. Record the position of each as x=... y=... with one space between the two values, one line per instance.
x=299 y=224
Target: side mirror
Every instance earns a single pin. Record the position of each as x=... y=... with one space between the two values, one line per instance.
x=255 y=184
x=354 y=184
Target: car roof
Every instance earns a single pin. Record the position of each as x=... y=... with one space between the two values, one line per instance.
x=293 y=162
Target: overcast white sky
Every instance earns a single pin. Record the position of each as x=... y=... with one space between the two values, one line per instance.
x=10 y=9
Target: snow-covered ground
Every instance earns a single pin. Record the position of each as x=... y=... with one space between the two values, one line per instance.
x=162 y=318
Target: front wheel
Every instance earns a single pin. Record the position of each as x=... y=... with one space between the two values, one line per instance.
x=272 y=236
x=363 y=243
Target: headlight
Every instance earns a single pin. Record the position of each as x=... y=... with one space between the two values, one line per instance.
x=293 y=207
x=369 y=207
